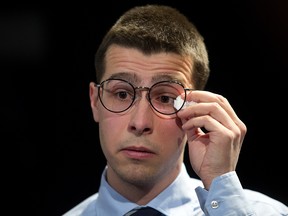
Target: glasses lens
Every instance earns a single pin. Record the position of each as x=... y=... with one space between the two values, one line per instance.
x=163 y=94
x=116 y=95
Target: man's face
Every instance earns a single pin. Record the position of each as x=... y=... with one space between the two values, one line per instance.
x=142 y=147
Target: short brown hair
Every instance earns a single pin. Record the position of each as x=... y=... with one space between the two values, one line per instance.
x=154 y=29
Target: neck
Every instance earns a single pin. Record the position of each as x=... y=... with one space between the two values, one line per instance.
x=142 y=192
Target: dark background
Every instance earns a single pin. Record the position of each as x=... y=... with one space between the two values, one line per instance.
x=50 y=147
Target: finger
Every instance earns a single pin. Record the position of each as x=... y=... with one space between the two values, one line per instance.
x=208 y=97
x=214 y=110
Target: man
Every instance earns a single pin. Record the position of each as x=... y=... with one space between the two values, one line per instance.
x=149 y=66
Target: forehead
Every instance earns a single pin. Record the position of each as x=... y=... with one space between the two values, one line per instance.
x=135 y=78
x=132 y=64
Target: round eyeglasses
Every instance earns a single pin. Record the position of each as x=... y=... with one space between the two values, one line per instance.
x=118 y=95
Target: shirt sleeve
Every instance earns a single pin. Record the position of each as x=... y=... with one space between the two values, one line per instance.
x=225 y=197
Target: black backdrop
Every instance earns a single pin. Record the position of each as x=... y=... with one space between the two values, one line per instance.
x=52 y=149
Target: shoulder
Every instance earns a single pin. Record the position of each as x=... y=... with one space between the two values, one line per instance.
x=81 y=207
x=262 y=201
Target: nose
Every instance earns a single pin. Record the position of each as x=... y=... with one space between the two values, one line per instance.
x=141 y=121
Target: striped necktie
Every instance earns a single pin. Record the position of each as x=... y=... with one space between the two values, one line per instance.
x=144 y=211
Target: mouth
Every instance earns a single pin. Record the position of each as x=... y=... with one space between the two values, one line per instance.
x=138 y=152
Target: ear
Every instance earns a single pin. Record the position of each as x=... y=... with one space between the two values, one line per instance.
x=93 y=94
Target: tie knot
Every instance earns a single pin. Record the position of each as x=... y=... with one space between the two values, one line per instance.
x=144 y=211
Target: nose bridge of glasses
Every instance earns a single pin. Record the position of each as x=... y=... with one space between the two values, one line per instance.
x=142 y=89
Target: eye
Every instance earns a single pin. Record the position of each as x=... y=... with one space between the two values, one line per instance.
x=165 y=99
x=123 y=94
x=119 y=90
x=164 y=94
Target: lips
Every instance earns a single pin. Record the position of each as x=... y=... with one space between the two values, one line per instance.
x=138 y=152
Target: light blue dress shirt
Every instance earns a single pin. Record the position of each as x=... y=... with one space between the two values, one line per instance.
x=186 y=197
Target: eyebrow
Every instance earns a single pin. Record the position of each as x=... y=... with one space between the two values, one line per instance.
x=164 y=77
x=130 y=77
x=133 y=78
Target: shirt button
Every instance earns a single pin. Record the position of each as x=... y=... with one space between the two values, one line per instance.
x=214 y=204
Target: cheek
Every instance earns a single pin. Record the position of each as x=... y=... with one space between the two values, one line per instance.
x=173 y=125
x=110 y=128
x=173 y=142
x=172 y=134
